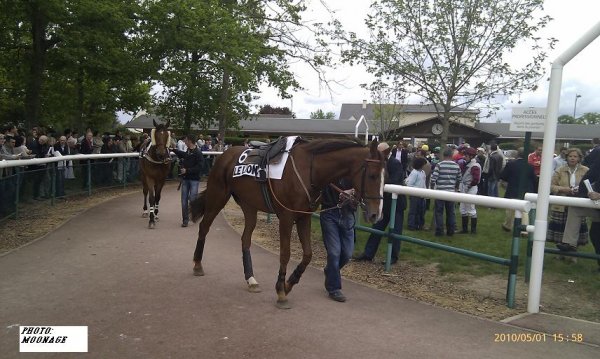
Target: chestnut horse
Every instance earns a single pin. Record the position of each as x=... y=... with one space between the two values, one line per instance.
x=154 y=168
x=311 y=166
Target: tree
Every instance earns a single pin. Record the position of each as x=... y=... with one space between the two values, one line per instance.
x=320 y=115
x=452 y=52
x=71 y=63
x=388 y=110
x=270 y=110
x=213 y=55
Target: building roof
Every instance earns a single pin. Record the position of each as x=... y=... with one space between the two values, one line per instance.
x=563 y=131
x=271 y=125
x=355 y=110
x=277 y=126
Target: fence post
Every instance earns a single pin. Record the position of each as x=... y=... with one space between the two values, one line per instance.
x=89 y=176
x=514 y=260
x=529 y=245
x=388 y=256
x=52 y=183
x=17 y=195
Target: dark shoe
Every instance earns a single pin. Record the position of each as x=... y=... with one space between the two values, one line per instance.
x=465 y=225
x=338 y=296
x=362 y=258
x=473 y=225
x=565 y=247
x=439 y=234
x=450 y=233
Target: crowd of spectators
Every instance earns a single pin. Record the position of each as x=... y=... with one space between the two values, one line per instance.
x=40 y=182
x=482 y=171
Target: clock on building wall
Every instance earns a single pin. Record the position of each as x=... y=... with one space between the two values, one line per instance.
x=437 y=129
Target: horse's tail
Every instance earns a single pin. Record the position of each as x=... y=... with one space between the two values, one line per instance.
x=197 y=206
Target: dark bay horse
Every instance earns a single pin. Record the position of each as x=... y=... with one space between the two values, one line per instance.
x=311 y=166
x=154 y=168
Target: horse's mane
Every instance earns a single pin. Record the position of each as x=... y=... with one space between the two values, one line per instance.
x=327 y=145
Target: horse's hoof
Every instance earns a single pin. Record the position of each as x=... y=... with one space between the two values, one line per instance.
x=283 y=304
x=151 y=225
x=254 y=288
x=156 y=218
x=145 y=215
x=198 y=271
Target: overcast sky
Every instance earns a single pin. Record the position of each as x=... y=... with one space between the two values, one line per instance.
x=572 y=18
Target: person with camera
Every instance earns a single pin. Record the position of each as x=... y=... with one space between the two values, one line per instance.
x=189 y=171
x=565 y=182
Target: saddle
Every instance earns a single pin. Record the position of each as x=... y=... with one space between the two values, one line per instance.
x=263 y=154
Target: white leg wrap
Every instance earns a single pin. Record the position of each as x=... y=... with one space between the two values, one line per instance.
x=252 y=281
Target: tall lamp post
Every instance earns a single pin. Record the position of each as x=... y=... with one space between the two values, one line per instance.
x=575 y=107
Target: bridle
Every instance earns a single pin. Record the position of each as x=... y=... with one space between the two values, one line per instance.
x=363 y=196
x=152 y=160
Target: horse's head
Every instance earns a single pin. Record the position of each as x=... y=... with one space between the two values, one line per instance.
x=161 y=138
x=369 y=181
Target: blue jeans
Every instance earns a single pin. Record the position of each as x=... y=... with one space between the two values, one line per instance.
x=337 y=226
x=439 y=216
x=416 y=213
x=492 y=187
x=189 y=191
x=374 y=239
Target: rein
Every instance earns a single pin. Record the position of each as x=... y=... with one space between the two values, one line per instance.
x=147 y=157
x=312 y=204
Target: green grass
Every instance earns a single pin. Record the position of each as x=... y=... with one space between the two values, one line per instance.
x=492 y=240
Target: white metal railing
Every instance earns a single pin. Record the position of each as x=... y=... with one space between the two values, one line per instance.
x=565 y=201
x=506 y=203
x=38 y=161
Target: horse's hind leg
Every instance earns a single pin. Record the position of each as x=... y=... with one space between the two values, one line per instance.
x=214 y=201
x=285 y=232
x=303 y=227
x=249 y=225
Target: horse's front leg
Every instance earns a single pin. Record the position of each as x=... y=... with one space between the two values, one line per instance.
x=151 y=199
x=145 y=208
x=285 y=232
x=250 y=215
x=303 y=227
x=157 y=192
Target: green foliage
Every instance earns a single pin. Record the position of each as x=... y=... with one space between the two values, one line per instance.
x=589 y=118
x=86 y=66
x=321 y=115
x=270 y=110
x=451 y=52
x=75 y=63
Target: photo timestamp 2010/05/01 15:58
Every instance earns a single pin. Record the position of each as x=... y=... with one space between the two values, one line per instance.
x=538 y=337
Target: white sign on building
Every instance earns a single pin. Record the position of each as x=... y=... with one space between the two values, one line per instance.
x=528 y=119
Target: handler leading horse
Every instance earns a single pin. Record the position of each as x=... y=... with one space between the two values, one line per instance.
x=310 y=167
x=154 y=168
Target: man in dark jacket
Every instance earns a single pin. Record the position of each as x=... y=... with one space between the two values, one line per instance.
x=395 y=175
x=189 y=171
x=512 y=174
